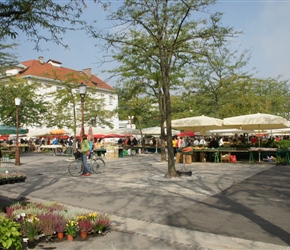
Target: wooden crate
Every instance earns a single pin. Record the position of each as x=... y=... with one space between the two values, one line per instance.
x=188 y=159
x=225 y=158
x=202 y=157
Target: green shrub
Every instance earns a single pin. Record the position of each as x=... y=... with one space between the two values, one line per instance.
x=10 y=235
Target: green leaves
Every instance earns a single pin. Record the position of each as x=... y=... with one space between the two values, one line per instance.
x=31 y=17
x=10 y=235
x=32 y=109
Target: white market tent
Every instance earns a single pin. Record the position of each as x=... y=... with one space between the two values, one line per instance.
x=156 y=131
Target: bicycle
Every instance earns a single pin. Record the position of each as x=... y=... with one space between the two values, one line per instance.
x=76 y=167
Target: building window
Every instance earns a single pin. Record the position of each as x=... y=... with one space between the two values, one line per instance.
x=111 y=99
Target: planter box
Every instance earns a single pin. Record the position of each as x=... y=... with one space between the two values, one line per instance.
x=12 y=180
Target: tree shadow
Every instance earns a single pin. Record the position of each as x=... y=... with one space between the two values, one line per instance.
x=254 y=209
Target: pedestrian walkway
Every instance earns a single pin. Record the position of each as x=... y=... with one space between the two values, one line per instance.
x=222 y=206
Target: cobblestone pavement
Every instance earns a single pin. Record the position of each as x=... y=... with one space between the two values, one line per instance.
x=221 y=206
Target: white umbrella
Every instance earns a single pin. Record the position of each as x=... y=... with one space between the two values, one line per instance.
x=156 y=131
x=126 y=131
x=283 y=131
x=197 y=123
x=38 y=132
x=257 y=121
x=229 y=131
x=96 y=130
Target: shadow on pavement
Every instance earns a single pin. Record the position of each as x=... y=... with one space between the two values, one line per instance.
x=253 y=209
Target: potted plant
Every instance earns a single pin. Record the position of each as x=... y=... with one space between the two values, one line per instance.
x=30 y=229
x=60 y=226
x=48 y=221
x=102 y=223
x=71 y=229
x=85 y=225
x=10 y=235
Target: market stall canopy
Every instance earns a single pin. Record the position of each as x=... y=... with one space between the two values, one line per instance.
x=96 y=130
x=13 y=136
x=156 y=131
x=283 y=131
x=49 y=136
x=257 y=121
x=186 y=133
x=111 y=135
x=197 y=124
x=126 y=131
x=7 y=130
x=4 y=137
x=230 y=131
x=58 y=132
x=39 y=131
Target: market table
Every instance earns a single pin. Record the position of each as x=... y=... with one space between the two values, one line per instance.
x=100 y=151
x=55 y=148
x=259 y=150
x=219 y=153
x=7 y=154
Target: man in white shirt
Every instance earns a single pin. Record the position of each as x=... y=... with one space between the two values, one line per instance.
x=203 y=142
x=195 y=142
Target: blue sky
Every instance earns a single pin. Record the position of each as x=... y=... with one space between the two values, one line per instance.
x=266 y=32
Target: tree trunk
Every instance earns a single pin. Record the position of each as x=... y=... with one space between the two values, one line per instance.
x=167 y=108
x=163 y=146
x=162 y=113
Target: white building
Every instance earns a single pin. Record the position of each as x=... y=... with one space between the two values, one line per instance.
x=45 y=73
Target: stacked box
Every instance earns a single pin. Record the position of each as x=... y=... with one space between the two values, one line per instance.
x=202 y=157
x=188 y=159
x=110 y=153
x=225 y=157
x=116 y=153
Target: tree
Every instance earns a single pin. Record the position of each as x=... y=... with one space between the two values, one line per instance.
x=137 y=105
x=64 y=110
x=255 y=95
x=213 y=77
x=6 y=59
x=33 y=17
x=33 y=108
x=170 y=38
x=142 y=88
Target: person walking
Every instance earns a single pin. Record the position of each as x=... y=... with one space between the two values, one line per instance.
x=85 y=148
x=91 y=148
x=179 y=143
x=174 y=145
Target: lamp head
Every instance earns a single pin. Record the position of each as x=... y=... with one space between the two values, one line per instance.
x=17 y=101
x=82 y=89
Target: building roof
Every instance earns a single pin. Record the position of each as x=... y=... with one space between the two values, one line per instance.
x=52 y=69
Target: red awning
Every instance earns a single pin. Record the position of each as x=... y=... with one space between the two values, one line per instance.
x=4 y=137
x=186 y=133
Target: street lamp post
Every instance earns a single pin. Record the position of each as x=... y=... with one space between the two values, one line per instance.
x=130 y=118
x=17 y=153
x=83 y=91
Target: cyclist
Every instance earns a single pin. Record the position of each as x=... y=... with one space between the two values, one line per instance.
x=85 y=149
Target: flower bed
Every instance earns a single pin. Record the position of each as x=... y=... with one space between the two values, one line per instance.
x=36 y=222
